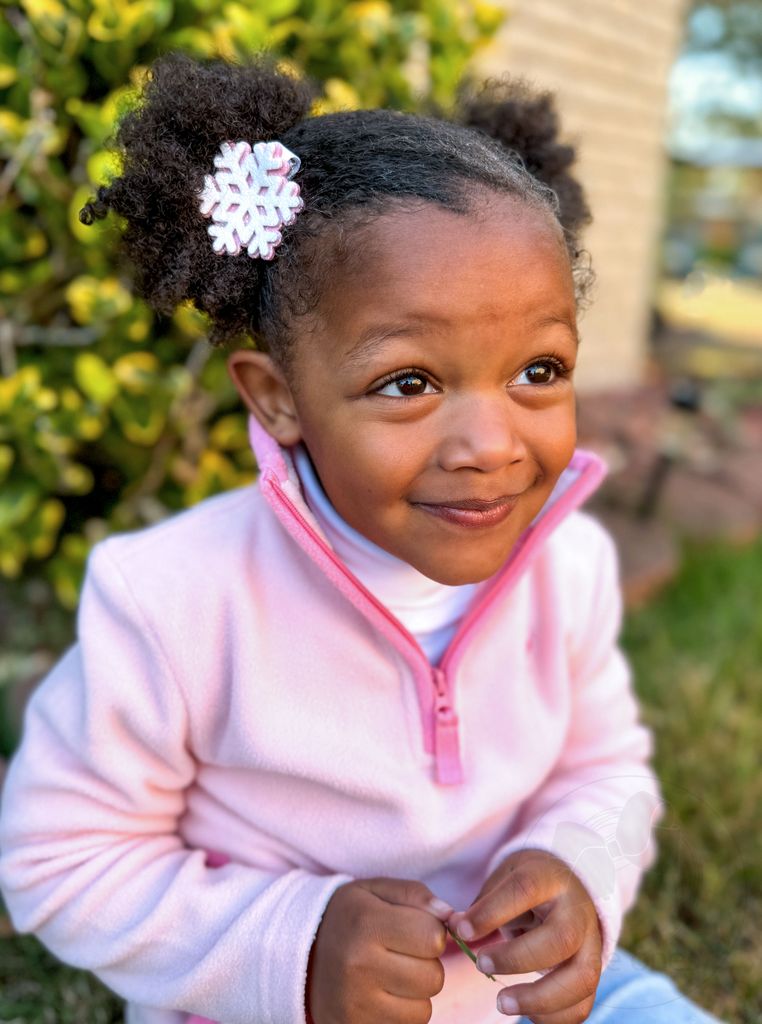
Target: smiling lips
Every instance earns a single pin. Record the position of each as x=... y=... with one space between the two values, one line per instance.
x=472 y=511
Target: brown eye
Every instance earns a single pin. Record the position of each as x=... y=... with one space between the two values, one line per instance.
x=540 y=373
x=411 y=385
x=408 y=385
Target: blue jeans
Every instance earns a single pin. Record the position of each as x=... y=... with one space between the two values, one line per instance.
x=630 y=992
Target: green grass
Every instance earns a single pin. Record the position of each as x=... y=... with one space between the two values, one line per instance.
x=35 y=988
x=697 y=656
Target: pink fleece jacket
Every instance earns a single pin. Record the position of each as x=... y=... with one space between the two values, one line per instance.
x=235 y=691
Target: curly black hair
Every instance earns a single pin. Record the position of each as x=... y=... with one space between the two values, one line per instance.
x=355 y=165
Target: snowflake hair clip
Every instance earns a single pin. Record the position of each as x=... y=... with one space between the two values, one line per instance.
x=250 y=197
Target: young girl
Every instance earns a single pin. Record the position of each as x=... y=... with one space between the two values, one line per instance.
x=314 y=726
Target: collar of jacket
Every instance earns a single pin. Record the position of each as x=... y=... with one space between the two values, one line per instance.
x=280 y=486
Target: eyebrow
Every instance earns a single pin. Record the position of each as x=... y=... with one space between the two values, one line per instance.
x=376 y=335
x=554 y=318
x=373 y=337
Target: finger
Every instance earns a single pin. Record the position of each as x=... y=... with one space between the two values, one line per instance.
x=407 y=892
x=521 y=890
x=571 y=1015
x=545 y=946
x=397 y=1008
x=410 y=931
x=571 y=983
x=412 y=978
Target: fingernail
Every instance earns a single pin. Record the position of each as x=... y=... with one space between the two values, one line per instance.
x=507 y=1004
x=440 y=907
x=465 y=930
x=485 y=964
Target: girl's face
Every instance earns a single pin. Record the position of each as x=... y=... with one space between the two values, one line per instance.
x=440 y=374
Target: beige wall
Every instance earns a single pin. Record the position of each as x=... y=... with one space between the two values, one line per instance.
x=608 y=61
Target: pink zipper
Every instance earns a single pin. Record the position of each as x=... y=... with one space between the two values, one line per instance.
x=446 y=743
x=590 y=476
x=274 y=483
x=441 y=736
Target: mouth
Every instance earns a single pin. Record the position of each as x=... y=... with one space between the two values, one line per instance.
x=473 y=512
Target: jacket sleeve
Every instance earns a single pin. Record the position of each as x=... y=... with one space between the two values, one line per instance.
x=90 y=858
x=598 y=807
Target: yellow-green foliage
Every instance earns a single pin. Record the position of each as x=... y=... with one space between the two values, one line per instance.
x=111 y=416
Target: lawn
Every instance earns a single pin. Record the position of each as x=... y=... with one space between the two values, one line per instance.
x=697 y=655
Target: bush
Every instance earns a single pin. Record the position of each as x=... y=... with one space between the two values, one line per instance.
x=97 y=433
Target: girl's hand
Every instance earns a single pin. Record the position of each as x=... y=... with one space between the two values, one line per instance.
x=376 y=954
x=527 y=887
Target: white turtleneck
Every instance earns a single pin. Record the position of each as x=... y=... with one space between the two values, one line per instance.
x=429 y=610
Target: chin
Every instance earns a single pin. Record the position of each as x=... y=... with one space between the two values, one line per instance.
x=456 y=568
x=458 y=576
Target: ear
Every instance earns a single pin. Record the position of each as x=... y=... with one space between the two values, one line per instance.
x=266 y=393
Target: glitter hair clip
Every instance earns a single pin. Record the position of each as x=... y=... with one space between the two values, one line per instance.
x=250 y=197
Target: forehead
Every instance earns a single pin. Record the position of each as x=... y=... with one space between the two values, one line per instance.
x=504 y=259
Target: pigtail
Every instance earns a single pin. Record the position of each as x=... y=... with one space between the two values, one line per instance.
x=167 y=144
x=526 y=122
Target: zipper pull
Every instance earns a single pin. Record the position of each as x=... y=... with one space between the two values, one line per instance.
x=446 y=744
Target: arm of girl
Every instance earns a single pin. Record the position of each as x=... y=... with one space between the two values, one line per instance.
x=91 y=859
x=584 y=840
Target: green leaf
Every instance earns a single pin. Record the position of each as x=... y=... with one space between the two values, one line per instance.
x=18 y=500
x=95 y=378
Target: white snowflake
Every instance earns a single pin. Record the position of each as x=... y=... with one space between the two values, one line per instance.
x=249 y=197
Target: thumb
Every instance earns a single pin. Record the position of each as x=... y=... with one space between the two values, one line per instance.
x=406 y=892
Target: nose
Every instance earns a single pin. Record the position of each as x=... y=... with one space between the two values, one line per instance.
x=481 y=432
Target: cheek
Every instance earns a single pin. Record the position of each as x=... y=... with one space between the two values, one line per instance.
x=391 y=445
x=552 y=435
x=565 y=435
x=364 y=465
